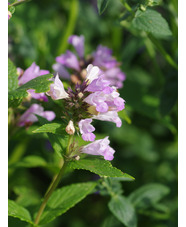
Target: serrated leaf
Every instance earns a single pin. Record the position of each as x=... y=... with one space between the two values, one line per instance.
x=148 y=195
x=65 y=198
x=54 y=128
x=152 y=22
x=99 y=166
x=30 y=162
x=12 y=76
x=58 y=141
x=17 y=211
x=39 y=84
x=102 y=5
x=123 y=210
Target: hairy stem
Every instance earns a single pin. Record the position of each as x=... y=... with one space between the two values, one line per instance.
x=54 y=184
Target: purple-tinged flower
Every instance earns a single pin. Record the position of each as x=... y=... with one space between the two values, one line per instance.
x=86 y=129
x=92 y=73
x=57 y=90
x=78 y=43
x=111 y=116
x=98 y=85
x=31 y=73
x=61 y=71
x=69 y=60
x=100 y=147
x=29 y=115
x=103 y=57
x=105 y=100
x=115 y=76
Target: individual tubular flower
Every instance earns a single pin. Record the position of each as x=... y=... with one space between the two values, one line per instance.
x=78 y=43
x=86 y=129
x=31 y=73
x=69 y=60
x=100 y=147
x=111 y=116
x=29 y=115
x=57 y=90
x=102 y=58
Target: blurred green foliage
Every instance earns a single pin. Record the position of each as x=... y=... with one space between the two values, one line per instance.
x=146 y=144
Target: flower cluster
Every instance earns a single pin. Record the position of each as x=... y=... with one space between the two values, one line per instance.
x=102 y=57
x=94 y=98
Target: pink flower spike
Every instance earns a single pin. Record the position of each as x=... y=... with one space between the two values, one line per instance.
x=86 y=129
x=100 y=147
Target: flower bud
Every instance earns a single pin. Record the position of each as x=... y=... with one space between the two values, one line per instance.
x=70 y=128
x=9 y=15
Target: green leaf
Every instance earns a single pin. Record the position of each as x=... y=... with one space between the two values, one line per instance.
x=99 y=166
x=152 y=22
x=123 y=210
x=102 y=5
x=30 y=162
x=39 y=84
x=65 y=198
x=54 y=128
x=12 y=76
x=59 y=140
x=17 y=211
x=27 y=196
x=148 y=195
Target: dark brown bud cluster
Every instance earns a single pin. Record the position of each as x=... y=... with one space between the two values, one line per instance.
x=76 y=107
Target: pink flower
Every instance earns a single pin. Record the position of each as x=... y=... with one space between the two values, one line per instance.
x=78 y=43
x=100 y=147
x=105 y=100
x=61 y=71
x=69 y=60
x=31 y=73
x=86 y=129
x=111 y=116
x=29 y=115
x=92 y=73
x=57 y=90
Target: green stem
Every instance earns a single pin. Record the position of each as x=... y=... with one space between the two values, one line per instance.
x=55 y=181
x=70 y=140
x=18 y=2
x=70 y=26
x=161 y=49
x=53 y=186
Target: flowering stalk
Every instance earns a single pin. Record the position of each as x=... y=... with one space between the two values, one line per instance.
x=54 y=182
